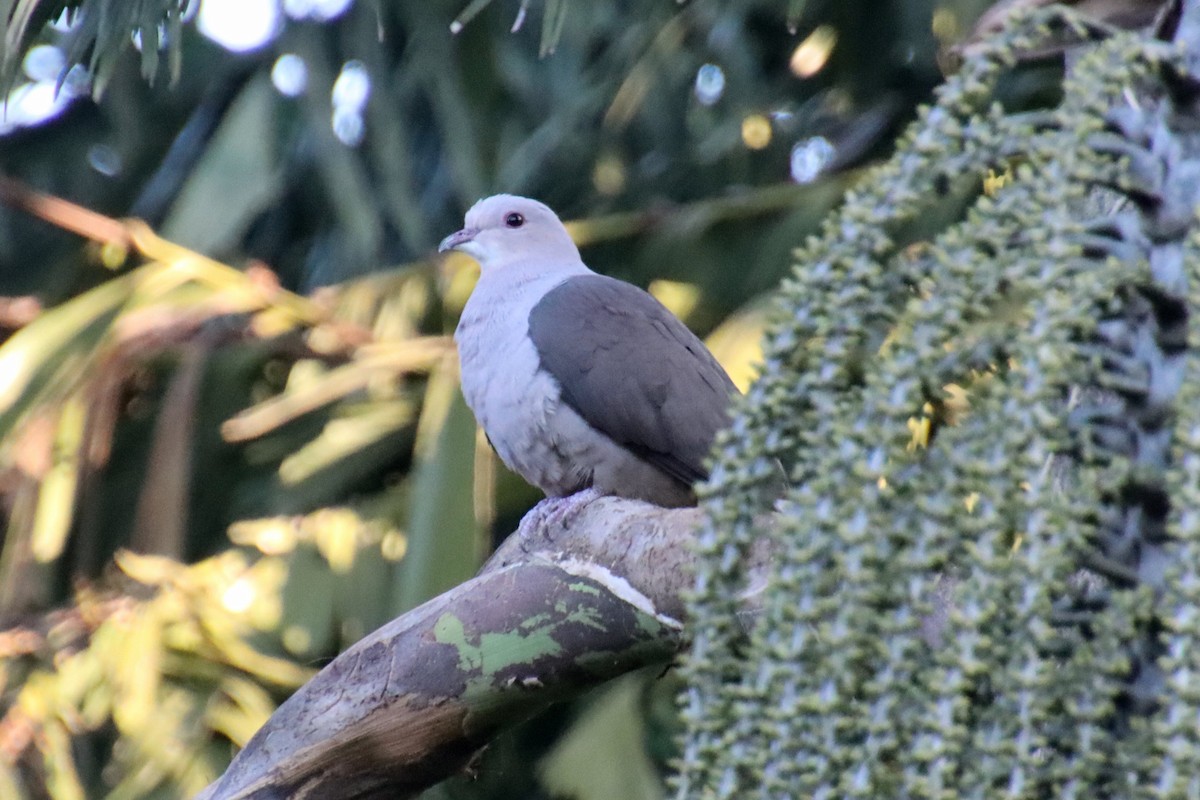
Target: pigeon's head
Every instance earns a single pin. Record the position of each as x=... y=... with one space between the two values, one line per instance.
x=504 y=229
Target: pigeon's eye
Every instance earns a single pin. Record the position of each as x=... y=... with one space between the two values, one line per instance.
x=514 y=220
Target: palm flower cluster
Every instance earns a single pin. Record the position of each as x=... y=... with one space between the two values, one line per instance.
x=987 y=572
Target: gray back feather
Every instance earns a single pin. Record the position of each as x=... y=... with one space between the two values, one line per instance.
x=633 y=371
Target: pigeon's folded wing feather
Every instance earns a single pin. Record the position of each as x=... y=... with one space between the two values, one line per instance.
x=633 y=372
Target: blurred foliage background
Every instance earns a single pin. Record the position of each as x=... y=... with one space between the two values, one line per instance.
x=231 y=440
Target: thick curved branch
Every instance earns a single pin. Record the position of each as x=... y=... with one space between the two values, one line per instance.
x=583 y=592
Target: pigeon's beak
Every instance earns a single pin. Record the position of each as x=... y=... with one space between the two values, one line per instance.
x=456 y=240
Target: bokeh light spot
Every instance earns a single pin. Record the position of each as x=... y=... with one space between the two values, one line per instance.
x=239 y=25
x=290 y=75
x=809 y=158
x=352 y=87
x=710 y=84
x=394 y=545
x=945 y=24
x=811 y=54
x=348 y=126
x=104 y=159
x=608 y=176
x=297 y=640
x=320 y=10
x=756 y=131
x=44 y=63
x=32 y=104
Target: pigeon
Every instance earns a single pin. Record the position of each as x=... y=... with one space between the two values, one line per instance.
x=580 y=381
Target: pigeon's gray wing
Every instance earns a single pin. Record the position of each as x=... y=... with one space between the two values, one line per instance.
x=633 y=371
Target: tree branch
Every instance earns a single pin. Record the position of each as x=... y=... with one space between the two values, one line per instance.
x=584 y=591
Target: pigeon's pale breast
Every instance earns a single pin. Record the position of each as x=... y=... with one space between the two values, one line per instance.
x=515 y=402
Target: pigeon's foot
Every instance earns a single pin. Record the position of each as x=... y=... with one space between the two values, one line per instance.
x=560 y=512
